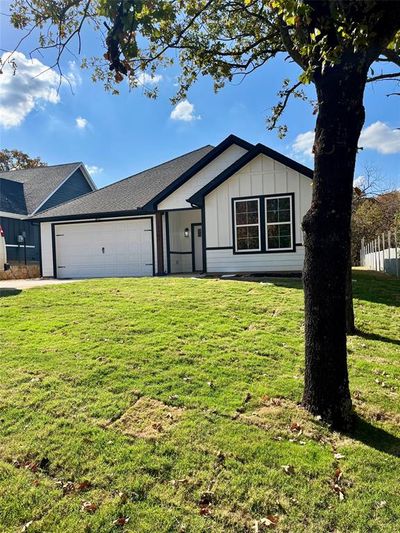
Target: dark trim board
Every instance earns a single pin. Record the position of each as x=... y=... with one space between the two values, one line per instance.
x=152 y=244
x=53 y=237
x=263 y=236
x=195 y=208
x=219 y=248
x=204 y=161
x=160 y=244
x=53 y=246
x=179 y=253
x=40 y=251
x=97 y=217
x=168 y=243
x=198 y=197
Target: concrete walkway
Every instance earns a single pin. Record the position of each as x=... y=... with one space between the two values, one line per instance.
x=21 y=284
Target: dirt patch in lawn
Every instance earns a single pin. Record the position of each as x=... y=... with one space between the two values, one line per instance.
x=282 y=417
x=148 y=419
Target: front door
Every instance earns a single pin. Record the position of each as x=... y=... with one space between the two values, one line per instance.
x=197 y=247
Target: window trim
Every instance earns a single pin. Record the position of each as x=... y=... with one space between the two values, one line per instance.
x=290 y=222
x=235 y=225
x=263 y=233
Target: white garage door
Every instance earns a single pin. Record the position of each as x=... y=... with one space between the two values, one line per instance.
x=104 y=249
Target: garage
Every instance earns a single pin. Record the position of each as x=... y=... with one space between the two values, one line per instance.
x=101 y=249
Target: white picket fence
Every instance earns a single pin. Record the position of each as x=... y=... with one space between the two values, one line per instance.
x=382 y=254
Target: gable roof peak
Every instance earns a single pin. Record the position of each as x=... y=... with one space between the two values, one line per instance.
x=259 y=148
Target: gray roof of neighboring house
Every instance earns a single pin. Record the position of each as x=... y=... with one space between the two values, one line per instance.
x=40 y=182
x=129 y=194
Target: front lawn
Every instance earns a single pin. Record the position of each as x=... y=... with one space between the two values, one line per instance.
x=170 y=405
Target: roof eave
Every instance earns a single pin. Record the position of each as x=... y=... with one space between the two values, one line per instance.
x=203 y=162
x=198 y=198
x=85 y=216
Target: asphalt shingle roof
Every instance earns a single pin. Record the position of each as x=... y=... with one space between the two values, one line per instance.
x=129 y=194
x=40 y=182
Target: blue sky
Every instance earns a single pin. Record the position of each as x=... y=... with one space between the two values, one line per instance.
x=116 y=136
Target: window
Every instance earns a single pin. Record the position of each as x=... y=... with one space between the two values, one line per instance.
x=279 y=223
x=247 y=225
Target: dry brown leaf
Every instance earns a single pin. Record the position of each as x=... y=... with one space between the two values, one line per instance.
x=89 y=507
x=295 y=427
x=338 y=475
x=121 y=521
x=82 y=486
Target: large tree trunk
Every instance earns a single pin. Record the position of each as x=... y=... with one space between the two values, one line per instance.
x=327 y=242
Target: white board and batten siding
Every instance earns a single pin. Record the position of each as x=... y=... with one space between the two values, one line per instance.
x=108 y=248
x=261 y=176
x=177 y=199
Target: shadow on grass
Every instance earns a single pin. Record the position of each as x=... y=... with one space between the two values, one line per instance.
x=376 y=287
x=9 y=292
x=375 y=437
x=376 y=337
x=290 y=282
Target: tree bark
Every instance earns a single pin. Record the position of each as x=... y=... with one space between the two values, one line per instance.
x=326 y=227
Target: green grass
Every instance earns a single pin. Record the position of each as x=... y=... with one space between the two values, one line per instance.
x=74 y=358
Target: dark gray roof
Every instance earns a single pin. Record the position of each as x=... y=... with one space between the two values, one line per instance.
x=130 y=194
x=40 y=182
x=12 y=197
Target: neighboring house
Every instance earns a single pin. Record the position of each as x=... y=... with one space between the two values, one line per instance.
x=236 y=207
x=29 y=191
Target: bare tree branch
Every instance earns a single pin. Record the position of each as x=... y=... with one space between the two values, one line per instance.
x=383 y=77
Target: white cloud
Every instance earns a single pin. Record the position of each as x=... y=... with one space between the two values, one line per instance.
x=33 y=83
x=359 y=182
x=81 y=123
x=73 y=75
x=303 y=143
x=184 y=111
x=147 y=79
x=381 y=137
x=378 y=136
x=93 y=169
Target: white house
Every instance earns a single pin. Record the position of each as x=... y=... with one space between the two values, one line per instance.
x=236 y=207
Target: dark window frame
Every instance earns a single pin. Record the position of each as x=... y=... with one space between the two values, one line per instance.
x=258 y=224
x=288 y=222
x=263 y=224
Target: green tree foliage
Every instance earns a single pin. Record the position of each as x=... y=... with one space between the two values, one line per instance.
x=15 y=160
x=219 y=38
x=373 y=216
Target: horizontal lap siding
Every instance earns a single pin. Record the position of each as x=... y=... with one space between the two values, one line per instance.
x=227 y=261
